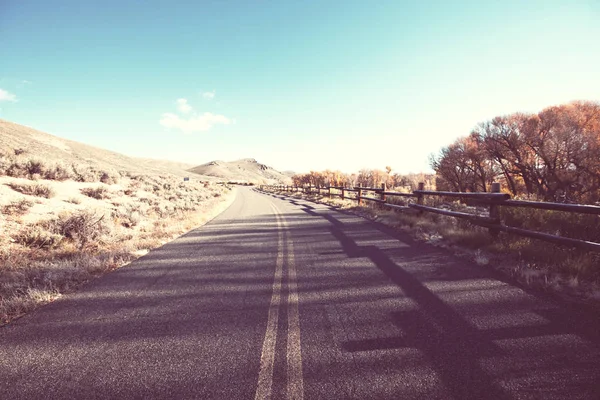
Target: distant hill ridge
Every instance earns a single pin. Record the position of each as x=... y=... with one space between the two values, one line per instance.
x=37 y=144
x=53 y=149
x=244 y=170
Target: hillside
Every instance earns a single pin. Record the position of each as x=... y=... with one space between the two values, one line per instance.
x=70 y=212
x=55 y=149
x=244 y=170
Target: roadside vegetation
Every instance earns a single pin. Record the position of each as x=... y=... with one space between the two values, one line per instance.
x=549 y=156
x=62 y=226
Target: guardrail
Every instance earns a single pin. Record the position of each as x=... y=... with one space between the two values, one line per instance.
x=494 y=200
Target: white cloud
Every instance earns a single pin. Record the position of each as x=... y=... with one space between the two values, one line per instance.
x=6 y=96
x=209 y=95
x=196 y=123
x=183 y=106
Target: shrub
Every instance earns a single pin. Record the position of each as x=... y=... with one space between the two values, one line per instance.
x=38 y=236
x=58 y=172
x=33 y=189
x=129 y=215
x=164 y=210
x=5 y=162
x=577 y=226
x=18 y=207
x=34 y=167
x=108 y=178
x=84 y=173
x=81 y=228
x=16 y=169
x=99 y=192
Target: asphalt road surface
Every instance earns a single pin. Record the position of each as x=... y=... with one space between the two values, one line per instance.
x=286 y=299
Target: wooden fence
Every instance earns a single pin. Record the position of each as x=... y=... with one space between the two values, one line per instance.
x=493 y=200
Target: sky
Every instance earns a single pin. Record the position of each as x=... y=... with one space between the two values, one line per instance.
x=298 y=85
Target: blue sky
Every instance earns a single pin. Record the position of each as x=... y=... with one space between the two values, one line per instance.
x=298 y=85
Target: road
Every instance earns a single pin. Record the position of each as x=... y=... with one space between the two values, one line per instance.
x=287 y=299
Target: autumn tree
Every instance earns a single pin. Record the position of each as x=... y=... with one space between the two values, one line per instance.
x=554 y=154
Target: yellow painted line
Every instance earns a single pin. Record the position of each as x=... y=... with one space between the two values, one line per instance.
x=295 y=382
x=265 y=375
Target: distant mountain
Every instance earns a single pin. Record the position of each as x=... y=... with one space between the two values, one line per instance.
x=245 y=170
x=15 y=138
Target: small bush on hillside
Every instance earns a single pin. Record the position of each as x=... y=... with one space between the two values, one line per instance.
x=38 y=236
x=18 y=207
x=164 y=210
x=108 y=178
x=58 y=172
x=15 y=169
x=84 y=173
x=82 y=228
x=34 y=167
x=129 y=215
x=99 y=192
x=20 y=151
x=4 y=163
x=33 y=189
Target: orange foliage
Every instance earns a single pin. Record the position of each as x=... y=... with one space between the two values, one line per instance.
x=554 y=154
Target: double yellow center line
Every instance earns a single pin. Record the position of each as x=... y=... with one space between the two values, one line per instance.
x=295 y=385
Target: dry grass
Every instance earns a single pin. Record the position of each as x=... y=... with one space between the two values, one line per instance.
x=99 y=192
x=33 y=189
x=52 y=243
x=54 y=253
x=20 y=165
x=17 y=207
x=29 y=279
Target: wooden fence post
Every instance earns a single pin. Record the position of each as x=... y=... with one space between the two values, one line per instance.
x=342 y=193
x=421 y=186
x=329 y=193
x=495 y=210
x=358 y=195
x=382 y=196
